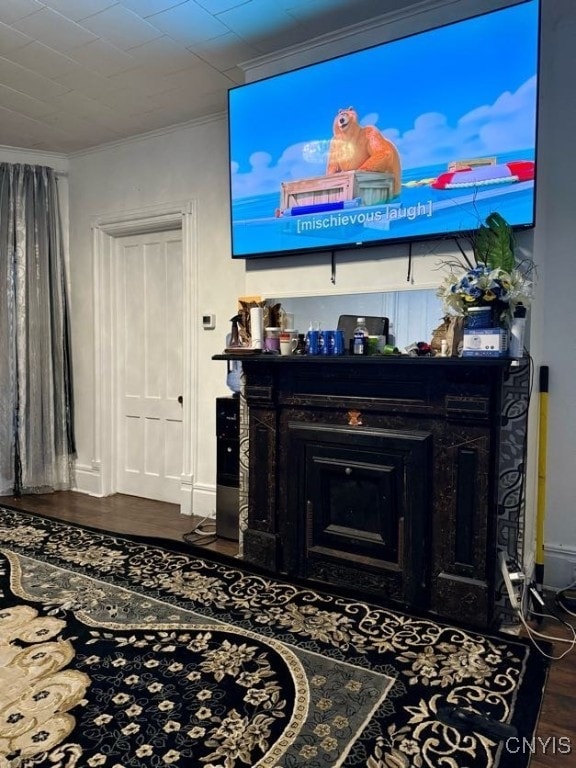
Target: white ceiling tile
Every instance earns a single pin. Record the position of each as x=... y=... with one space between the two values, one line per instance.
x=209 y=104
x=13 y=10
x=181 y=107
x=255 y=18
x=140 y=81
x=77 y=11
x=322 y=16
x=56 y=141
x=32 y=131
x=163 y=56
x=11 y=39
x=145 y=8
x=125 y=125
x=188 y=23
x=69 y=124
x=78 y=104
x=235 y=74
x=16 y=128
x=86 y=81
x=125 y=101
x=180 y=112
x=54 y=30
x=27 y=81
x=26 y=105
x=103 y=57
x=198 y=80
x=39 y=58
x=315 y=6
x=218 y=6
x=225 y=51
x=151 y=121
x=271 y=42
x=121 y=27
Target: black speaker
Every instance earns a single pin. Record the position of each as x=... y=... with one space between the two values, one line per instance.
x=227 y=466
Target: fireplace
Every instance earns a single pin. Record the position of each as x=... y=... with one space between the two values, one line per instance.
x=357 y=508
x=399 y=478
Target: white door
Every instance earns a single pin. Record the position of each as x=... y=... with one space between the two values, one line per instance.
x=149 y=326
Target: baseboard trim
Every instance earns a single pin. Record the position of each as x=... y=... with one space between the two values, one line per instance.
x=203 y=501
x=87 y=480
x=195 y=499
x=559 y=566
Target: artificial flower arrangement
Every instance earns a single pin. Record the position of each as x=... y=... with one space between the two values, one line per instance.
x=491 y=278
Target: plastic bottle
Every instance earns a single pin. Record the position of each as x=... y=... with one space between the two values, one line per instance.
x=360 y=346
x=517 y=329
x=312 y=341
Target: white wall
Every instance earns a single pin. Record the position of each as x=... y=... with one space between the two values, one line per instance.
x=555 y=251
x=191 y=163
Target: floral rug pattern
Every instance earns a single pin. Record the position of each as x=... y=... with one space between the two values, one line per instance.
x=120 y=653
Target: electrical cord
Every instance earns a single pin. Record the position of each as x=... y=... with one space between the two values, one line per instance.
x=203 y=532
x=534 y=635
x=514 y=579
x=566 y=599
x=522 y=608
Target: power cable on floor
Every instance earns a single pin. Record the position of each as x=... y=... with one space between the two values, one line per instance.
x=203 y=533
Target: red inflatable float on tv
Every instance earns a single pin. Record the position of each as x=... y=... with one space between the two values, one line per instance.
x=481 y=175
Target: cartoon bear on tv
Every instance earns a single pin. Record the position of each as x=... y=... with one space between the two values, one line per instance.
x=361 y=148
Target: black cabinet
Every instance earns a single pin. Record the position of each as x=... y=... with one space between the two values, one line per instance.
x=227 y=466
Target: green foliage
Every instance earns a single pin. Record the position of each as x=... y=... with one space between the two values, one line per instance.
x=493 y=244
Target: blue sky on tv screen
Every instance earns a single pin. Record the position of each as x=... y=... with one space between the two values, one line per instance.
x=460 y=91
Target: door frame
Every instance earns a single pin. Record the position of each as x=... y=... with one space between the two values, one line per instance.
x=105 y=232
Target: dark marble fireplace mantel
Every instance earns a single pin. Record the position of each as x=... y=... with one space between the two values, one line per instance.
x=386 y=474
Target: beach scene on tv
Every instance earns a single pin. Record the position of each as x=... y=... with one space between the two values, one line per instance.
x=413 y=138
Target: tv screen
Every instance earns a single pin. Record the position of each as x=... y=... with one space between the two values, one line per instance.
x=416 y=138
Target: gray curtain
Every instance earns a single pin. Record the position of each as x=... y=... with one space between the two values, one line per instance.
x=36 y=418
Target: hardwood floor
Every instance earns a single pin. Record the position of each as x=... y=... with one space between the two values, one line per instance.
x=555 y=743
x=119 y=514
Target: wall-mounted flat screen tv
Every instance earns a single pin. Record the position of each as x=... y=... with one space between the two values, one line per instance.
x=416 y=138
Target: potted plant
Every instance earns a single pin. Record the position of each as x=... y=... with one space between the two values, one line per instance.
x=490 y=277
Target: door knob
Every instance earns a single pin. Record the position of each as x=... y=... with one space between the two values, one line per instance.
x=180 y=399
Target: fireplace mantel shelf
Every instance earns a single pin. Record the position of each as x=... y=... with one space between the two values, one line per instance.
x=276 y=359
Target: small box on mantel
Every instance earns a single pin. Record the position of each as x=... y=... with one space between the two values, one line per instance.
x=485 y=342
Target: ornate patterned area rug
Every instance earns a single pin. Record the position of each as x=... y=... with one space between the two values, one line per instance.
x=119 y=653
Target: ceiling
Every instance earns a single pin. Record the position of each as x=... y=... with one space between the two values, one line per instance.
x=75 y=74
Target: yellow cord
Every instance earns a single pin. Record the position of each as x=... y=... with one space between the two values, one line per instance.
x=541 y=500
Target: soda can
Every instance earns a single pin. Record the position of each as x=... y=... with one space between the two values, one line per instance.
x=326 y=342
x=339 y=343
x=313 y=343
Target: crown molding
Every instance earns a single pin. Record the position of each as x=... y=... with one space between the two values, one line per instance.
x=33 y=156
x=174 y=128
